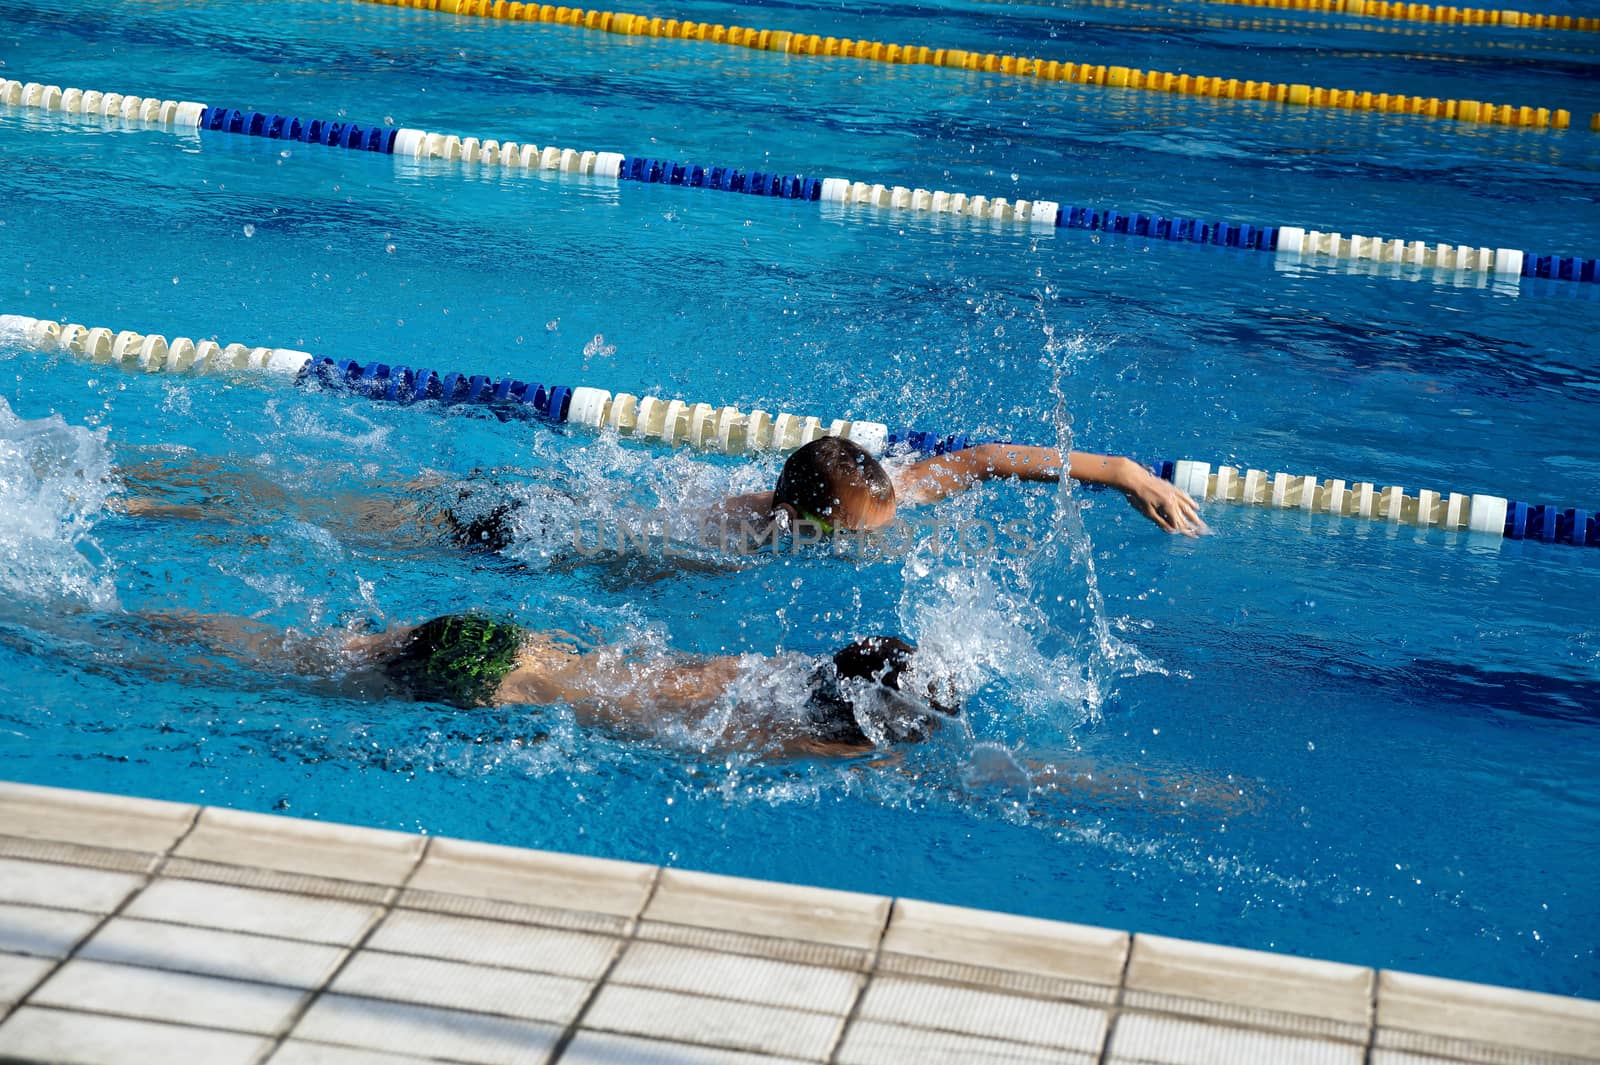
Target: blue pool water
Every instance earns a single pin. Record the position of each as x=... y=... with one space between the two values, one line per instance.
x=1350 y=740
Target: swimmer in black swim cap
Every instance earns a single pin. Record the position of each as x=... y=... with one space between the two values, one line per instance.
x=836 y=486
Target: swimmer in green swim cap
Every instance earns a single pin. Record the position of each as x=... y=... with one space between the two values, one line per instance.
x=871 y=693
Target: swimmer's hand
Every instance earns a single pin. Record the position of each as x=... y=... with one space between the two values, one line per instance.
x=1161 y=501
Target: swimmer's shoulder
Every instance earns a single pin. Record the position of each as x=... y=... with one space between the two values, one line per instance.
x=550 y=667
x=910 y=483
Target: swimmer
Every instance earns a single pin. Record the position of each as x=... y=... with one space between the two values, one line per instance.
x=873 y=693
x=832 y=484
x=477 y=513
x=835 y=485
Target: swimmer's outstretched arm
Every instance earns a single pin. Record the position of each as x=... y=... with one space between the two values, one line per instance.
x=151 y=481
x=236 y=495
x=752 y=507
x=1172 y=789
x=1135 y=786
x=150 y=507
x=945 y=475
x=245 y=641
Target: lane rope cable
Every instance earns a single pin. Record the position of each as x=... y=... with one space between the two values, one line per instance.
x=1476 y=112
x=728 y=430
x=1286 y=242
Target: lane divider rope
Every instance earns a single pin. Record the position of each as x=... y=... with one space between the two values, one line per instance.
x=669 y=421
x=1119 y=77
x=184 y=114
x=1286 y=241
x=1439 y=13
x=1488 y=514
x=731 y=431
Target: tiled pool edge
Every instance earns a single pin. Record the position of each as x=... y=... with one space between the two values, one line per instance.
x=403 y=944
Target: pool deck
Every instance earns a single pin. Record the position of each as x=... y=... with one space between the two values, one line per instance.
x=140 y=931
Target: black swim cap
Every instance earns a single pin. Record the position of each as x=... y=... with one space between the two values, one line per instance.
x=856 y=697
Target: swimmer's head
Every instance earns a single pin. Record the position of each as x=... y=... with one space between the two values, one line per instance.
x=873 y=691
x=834 y=483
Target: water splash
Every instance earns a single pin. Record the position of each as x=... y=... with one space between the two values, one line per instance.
x=1028 y=625
x=1106 y=657
x=54 y=480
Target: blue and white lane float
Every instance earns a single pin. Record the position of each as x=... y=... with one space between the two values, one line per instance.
x=1290 y=242
x=732 y=431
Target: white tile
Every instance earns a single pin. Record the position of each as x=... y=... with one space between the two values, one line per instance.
x=514 y=946
x=209 y=952
x=1003 y=941
x=712 y=1022
x=86 y=1039
x=704 y=972
x=298 y=1052
x=18 y=974
x=876 y=1043
x=405 y=1028
x=540 y=878
x=754 y=907
x=457 y=985
x=65 y=887
x=91 y=819
x=1251 y=979
x=1398 y=1057
x=1451 y=1009
x=49 y=933
x=291 y=845
x=605 y=1048
x=157 y=995
x=1140 y=1039
x=270 y=913
x=919 y=1004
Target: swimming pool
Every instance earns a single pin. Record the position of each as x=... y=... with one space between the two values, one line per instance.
x=1382 y=739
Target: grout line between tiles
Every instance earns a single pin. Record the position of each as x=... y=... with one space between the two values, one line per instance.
x=570 y=1032
x=1372 y=1028
x=345 y=1046
x=77 y=855
x=150 y=878
x=712 y=996
x=752 y=944
x=316 y=993
x=1057 y=994
x=207 y=863
x=303 y=941
x=861 y=988
x=56 y=909
x=144 y=1018
x=1224 y=1024
x=1114 y=1012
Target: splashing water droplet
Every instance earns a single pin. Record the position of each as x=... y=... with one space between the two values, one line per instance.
x=249 y=230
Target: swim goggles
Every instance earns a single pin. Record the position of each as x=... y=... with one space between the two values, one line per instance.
x=820 y=522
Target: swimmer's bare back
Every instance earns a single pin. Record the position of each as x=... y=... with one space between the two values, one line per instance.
x=637 y=695
x=641 y=696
